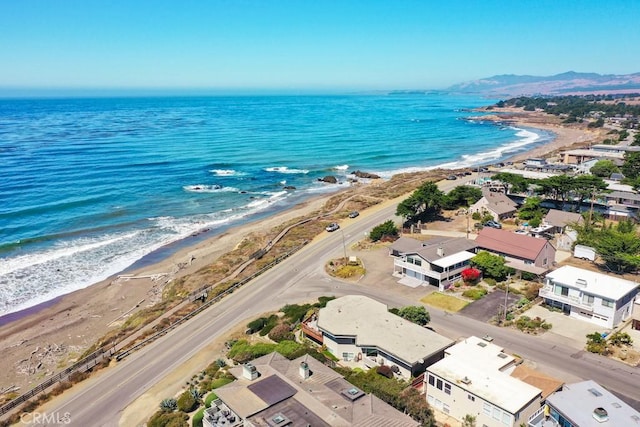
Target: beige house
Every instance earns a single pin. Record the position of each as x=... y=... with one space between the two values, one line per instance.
x=359 y=329
x=274 y=391
x=496 y=203
x=475 y=378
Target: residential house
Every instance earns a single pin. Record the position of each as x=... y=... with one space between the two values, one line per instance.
x=359 y=329
x=438 y=261
x=585 y=404
x=274 y=391
x=560 y=220
x=521 y=252
x=594 y=297
x=475 y=378
x=496 y=203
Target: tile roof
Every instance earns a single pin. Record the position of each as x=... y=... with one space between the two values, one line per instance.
x=508 y=243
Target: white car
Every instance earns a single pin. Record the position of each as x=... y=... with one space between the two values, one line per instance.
x=332 y=227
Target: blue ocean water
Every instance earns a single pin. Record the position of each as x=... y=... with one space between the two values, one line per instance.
x=89 y=186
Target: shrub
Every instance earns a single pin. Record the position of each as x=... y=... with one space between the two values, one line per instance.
x=620 y=338
x=416 y=314
x=386 y=229
x=196 y=421
x=474 y=294
x=281 y=332
x=169 y=404
x=596 y=343
x=272 y=322
x=242 y=351
x=256 y=325
x=476 y=216
x=186 y=402
x=522 y=302
x=531 y=291
x=471 y=275
x=489 y=281
x=385 y=371
x=220 y=363
x=527 y=324
x=210 y=398
x=166 y=419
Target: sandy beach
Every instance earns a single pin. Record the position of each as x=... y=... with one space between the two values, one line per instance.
x=45 y=340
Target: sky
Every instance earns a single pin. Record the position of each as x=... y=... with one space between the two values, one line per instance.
x=307 y=45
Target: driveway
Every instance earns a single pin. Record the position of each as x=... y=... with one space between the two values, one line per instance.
x=489 y=306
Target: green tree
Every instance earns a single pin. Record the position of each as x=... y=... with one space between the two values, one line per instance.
x=604 y=168
x=631 y=166
x=587 y=187
x=387 y=229
x=166 y=419
x=557 y=187
x=416 y=314
x=469 y=421
x=462 y=195
x=492 y=266
x=515 y=183
x=423 y=204
x=186 y=402
x=531 y=210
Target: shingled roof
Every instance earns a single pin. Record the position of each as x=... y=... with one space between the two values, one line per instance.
x=509 y=243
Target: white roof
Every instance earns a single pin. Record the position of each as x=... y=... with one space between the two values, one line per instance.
x=616 y=186
x=481 y=363
x=372 y=325
x=594 y=153
x=528 y=174
x=453 y=259
x=602 y=285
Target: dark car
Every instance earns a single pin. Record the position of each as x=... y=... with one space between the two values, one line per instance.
x=353 y=214
x=493 y=224
x=332 y=227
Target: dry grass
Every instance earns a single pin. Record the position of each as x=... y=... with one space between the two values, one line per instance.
x=445 y=302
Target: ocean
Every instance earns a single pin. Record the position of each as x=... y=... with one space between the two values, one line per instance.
x=89 y=187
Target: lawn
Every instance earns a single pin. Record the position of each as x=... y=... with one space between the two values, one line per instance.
x=445 y=302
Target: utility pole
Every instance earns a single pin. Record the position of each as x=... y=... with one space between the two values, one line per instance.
x=344 y=247
x=506 y=299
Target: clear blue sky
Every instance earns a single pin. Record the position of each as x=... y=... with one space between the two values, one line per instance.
x=311 y=45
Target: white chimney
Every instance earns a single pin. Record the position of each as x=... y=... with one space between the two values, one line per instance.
x=304 y=370
x=249 y=371
x=440 y=251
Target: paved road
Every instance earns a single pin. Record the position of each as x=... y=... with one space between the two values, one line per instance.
x=100 y=400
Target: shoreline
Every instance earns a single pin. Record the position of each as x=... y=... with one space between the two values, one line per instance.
x=59 y=330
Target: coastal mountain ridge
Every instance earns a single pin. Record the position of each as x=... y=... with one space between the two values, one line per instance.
x=567 y=83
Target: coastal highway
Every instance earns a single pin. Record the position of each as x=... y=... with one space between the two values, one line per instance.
x=100 y=400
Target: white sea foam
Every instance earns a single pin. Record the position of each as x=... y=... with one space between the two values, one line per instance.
x=284 y=169
x=204 y=188
x=340 y=167
x=525 y=137
x=28 y=280
x=225 y=172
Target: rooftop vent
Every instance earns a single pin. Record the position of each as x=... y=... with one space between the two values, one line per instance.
x=595 y=392
x=440 y=251
x=581 y=283
x=249 y=371
x=278 y=420
x=502 y=356
x=481 y=344
x=352 y=393
x=465 y=380
x=600 y=415
x=304 y=370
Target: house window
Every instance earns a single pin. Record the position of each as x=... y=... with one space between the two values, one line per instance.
x=445 y=408
x=486 y=408
x=587 y=299
x=561 y=290
x=447 y=388
x=506 y=418
x=347 y=357
x=497 y=414
x=607 y=303
x=439 y=384
x=544 y=261
x=432 y=380
x=471 y=397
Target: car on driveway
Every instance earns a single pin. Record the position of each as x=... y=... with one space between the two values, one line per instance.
x=493 y=224
x=452 y=178
x=332 y=227
x=353 y=214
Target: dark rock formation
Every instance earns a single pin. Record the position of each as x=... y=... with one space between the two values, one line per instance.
x=329 y=179
x=367 y=175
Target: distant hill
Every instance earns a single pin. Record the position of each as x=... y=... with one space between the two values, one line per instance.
x=561 y=84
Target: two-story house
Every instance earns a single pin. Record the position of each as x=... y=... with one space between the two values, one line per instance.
x=437 y=262
x=521 y=252
x=590 y=296
x=496 y=203
x=475 y=378
x=359 y=329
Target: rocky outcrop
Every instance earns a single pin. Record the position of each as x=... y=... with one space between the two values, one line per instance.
x=288 y=187
x=366 y=175
x=329 y=179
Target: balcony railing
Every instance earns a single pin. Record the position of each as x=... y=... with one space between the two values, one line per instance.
x=567 y=299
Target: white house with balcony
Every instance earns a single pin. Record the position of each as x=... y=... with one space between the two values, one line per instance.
x=438 y=261
x=590 y=296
